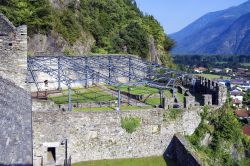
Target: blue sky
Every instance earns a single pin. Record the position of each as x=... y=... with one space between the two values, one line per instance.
x=176 y=14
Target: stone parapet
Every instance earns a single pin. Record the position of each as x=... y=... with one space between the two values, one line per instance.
x=99 y=135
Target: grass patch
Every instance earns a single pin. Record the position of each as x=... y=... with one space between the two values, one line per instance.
x=130 y=124
x=123 y=108
x=92 y=94
x=213 y=76
x=180 y=97
x=152 y=101
x=221 y=63
x=137 y=90
x=168 y=93
x=172 y=114
x=146 y=92
x=148 y=161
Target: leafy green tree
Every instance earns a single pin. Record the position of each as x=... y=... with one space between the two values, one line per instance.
x=118 y=26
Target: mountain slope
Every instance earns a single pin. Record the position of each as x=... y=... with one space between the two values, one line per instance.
x=84 y=26
x=197 y=35
x=235 y=40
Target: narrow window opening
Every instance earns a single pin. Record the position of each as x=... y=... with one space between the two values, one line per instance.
x=46 y=83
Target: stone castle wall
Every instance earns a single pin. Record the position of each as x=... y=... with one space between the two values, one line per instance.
x=210 y=91
x=15 y=122
x=98 y=135
x=15 y=99
x=13 y=48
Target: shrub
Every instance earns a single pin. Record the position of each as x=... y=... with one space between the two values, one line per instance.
x=130 y=124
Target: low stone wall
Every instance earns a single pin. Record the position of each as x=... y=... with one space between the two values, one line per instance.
x=15 y=122
x=98 y=135
x=44 y=105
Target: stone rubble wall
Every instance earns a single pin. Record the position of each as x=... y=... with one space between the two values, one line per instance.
x=44 y=105
x=15 y=99
x=13 y=52
x=15 y=122
x=98 y=135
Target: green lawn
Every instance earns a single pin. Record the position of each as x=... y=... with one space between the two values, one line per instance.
x=123 y=108
x=212 y=76
x=92 y=94
x=149 y=161
x=146 y=91
x=137 y=90
x=180 y=96
x=152 y=101
x=221 y=62
x=246 y=64
x=168 y=93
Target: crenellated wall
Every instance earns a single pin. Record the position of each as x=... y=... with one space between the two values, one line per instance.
x=208 y=90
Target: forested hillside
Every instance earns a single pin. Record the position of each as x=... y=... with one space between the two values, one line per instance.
x=83 y=26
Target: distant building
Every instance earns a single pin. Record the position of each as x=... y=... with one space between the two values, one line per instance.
x=242 y=113
x=227 y=70
x=246 y=129
x=216 y=70
x=237 y=98
x=237 y=82
x=200 y=69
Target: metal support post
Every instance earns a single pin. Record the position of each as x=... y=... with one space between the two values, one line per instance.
x=99 y=67
x=66 y=152
x=59 y=67
x=130 y=68
x=110 y=69
x=129 y=95
x=69 y=99
x=86 y=72
x=119 y=100
x=65 y=143
x=161 y=97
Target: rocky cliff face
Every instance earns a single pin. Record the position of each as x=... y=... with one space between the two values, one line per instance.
x=210 y=34
x=55 y=43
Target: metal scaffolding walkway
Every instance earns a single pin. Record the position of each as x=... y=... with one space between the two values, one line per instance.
x=109 y=69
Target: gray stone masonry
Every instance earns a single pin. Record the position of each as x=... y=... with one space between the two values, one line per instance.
x=98 y=135
x=181 y=150
x=15 y=125
x=189 y=102
x=15 y=99
x=13 y=52
x=207 y=99
x=208 y=87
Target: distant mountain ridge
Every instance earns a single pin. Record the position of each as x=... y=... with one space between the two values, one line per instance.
x=221 y=32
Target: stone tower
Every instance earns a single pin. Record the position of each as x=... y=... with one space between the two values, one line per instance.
x=15 y=98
